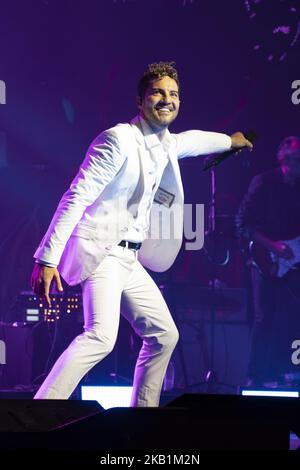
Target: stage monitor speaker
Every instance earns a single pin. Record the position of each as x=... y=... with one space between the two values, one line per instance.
x=43 y=415
x=239 y=422
x=129 y=429
x=189 y=424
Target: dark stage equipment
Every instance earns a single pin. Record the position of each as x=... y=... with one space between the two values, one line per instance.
x=189 y=424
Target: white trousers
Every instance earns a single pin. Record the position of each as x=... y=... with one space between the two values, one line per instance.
x=120 y=273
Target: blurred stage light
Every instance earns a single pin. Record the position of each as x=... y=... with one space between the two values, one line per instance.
x=108 y=396
x=270 y=393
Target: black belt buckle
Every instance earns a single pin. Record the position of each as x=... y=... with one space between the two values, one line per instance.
x=130 y=245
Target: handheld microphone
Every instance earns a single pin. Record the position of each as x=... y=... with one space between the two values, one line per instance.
x=251 y=136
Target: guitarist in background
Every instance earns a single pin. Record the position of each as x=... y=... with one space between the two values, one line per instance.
x=269 y=222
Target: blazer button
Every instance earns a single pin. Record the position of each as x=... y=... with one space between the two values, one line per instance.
x=108 y=247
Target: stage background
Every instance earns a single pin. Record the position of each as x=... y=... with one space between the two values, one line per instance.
x=71 y=69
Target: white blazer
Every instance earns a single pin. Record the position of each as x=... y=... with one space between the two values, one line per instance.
x=102 y=202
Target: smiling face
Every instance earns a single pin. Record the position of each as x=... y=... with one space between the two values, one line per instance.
x=160 y=104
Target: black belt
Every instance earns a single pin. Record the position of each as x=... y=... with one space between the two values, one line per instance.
x=130 y=245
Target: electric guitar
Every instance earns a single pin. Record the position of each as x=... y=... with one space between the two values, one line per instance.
x=271 y=264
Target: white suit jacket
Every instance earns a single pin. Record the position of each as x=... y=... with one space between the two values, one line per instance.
x=103 y=199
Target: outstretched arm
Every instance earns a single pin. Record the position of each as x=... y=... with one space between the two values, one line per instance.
x=194 y=143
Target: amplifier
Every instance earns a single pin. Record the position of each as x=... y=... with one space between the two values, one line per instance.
x=66 y=306
x=188 y=301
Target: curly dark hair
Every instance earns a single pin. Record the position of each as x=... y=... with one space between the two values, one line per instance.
x=156 y=71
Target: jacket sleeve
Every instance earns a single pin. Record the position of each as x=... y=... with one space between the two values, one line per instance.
x=102 y=162
x=193 y=143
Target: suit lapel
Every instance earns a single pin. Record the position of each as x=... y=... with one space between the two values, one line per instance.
x=140 y=160
x=172 y=169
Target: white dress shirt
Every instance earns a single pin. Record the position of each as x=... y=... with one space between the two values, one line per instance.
x=155 y=165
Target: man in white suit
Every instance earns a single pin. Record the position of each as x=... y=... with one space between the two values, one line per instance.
x=104 y=230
